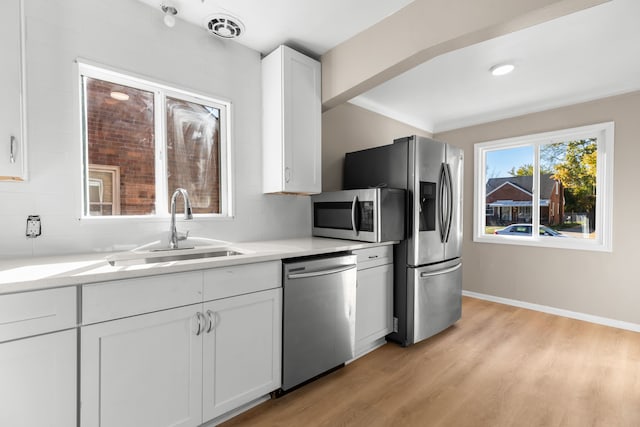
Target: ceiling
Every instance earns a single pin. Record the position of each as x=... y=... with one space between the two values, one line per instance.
x=579 y=57
x=587 y=55
x=311 y=26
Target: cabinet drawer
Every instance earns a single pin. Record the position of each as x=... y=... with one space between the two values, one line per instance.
x=123 y=298
x=372 y=257
x=241 y=279
x=33 y=313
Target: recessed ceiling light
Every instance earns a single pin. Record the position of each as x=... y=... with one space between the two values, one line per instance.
x=501 y=69
x=120 y=96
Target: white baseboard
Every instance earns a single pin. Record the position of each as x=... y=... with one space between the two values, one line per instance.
x=557 y=311
x=234 y=412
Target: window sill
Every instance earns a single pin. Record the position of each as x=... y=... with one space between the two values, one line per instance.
x=154 y=218
x=547 y=242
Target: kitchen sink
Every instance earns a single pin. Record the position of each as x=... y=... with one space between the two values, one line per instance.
x=152 y=259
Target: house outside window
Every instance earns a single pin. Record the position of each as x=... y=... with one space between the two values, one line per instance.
x=559 y=184
x=143 y=139
x=513 y=194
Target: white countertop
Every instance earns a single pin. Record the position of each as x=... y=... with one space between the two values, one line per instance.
x=29 y=274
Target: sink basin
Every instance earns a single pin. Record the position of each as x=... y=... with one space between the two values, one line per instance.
x=151 y=259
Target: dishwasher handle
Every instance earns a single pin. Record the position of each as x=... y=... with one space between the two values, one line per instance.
x=321 y=272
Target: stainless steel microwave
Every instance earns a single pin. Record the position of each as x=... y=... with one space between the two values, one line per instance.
x=369 y=215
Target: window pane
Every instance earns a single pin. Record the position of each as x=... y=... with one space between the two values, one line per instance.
x=193 y=153
x=119 y=138
x=508 y=185
x=568 y=188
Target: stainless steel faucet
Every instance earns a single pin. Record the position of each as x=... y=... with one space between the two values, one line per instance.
x=175 y=236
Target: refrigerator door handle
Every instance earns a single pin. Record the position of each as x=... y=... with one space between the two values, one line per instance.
x=449 y=217
x=437 y=273
x=441 y=188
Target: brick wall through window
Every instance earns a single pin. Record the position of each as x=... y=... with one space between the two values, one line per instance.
x=121 y=133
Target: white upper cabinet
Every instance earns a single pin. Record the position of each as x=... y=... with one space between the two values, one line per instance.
x=12 y=145
x=291 y=102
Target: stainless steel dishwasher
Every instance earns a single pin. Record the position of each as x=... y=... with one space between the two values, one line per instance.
x=319 y=316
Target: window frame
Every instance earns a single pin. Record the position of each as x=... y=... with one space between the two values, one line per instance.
x=160 y=92
x=604 y=184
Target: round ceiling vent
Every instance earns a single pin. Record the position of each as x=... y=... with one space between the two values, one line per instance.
x=225 y=26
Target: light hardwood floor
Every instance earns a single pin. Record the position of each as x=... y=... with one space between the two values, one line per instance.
x=498 y=366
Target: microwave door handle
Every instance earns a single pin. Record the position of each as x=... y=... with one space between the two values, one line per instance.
x=354 y=215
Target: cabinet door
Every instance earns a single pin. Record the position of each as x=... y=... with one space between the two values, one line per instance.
x=374 y=305
x=291 y=105
x=302 y=115
x=242 y=350
x=143 y=371
x=38 y=381
x=12 y=153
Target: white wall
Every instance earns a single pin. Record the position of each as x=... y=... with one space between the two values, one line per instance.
x=597 y=283
x=130 y=36
x=347 y=128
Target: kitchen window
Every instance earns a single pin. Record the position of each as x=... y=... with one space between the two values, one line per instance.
x=552 y=189
x=151 y=138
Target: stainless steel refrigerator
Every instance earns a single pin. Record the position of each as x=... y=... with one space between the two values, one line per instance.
x=428 y=263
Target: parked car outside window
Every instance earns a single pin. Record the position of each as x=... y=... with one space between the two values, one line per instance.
x=525 y=230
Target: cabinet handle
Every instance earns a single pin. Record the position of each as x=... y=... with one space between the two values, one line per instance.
x=211 y=317
x=373 y=256
x=287 y=174
x=199 y=318
x=12 y=150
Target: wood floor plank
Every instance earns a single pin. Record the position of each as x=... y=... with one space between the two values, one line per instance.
x=498 y=366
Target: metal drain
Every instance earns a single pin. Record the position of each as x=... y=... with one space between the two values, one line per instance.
x=225 y=26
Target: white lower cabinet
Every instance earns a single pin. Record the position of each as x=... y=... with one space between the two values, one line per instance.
x=38 y=358
x=374 y=310
x=242 y=354
x=374 y=297
x=181 y=367
x=38 y=381
x=142 y=371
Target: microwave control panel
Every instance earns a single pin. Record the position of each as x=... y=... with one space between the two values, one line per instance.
x=366 y=216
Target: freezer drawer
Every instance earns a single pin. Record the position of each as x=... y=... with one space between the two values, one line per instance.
x=437 y=302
